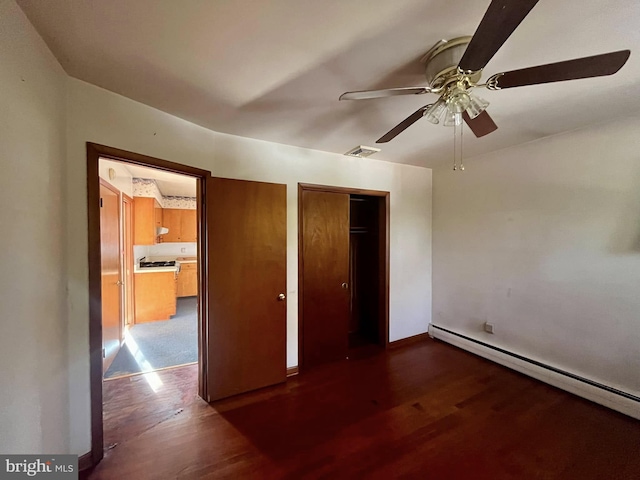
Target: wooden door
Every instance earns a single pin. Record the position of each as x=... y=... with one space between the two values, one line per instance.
x=325 y=261
x=247 y=273
x=110 y=273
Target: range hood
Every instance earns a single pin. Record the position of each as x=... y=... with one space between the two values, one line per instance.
x=161 y=230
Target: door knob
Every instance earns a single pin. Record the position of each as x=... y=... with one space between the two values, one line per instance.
x=281 y=297
x=345 y=285
x=119 y=283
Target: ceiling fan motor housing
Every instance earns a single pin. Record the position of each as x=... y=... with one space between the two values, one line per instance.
x=441 y=62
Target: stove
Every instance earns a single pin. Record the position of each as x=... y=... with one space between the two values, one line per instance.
x=171 y=263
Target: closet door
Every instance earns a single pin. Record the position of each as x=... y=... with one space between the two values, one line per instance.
x=325 y=290
x=247 y=224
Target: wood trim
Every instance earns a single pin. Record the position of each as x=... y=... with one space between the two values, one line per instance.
x=95 y=303
x=300 y=276
x=385 y=254
x=291 y=371
x=94 y=153
x=154 y=371
x=128 y=247
x=146 y=161
x=384 y=236
x=351 y=191
x=85 y=462
x=203 y=282
x=405 y=342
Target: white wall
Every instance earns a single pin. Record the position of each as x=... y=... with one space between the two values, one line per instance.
x=34 y=415
x=102 y=117
x=543 y=240
x=123 y=177
x=175 y=249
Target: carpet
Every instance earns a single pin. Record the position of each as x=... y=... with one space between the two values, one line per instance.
x=154 y=345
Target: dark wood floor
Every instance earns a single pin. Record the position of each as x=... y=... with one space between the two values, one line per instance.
x=427 y=411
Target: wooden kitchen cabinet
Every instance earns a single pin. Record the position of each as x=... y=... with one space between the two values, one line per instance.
x=188 y=280
x=171 y=218
x=157 y=213
x=182 y=225
x=155 y=296
x=147 y=215
x=189 y=224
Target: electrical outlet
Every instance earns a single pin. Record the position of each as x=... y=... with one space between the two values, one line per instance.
x=488 y=327
x=183 y=250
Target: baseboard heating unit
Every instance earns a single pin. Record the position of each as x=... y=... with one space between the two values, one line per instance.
x=610 y=397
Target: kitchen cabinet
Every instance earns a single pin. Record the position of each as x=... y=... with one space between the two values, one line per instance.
x=188 y=280
x=182 y=225
x=154 y=296
x=189 y=226
x=147 y=216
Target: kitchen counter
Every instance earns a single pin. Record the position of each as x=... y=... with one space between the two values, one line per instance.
x=137 y=269
x=187 y=259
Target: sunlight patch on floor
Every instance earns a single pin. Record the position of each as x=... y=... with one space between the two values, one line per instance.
x=150 y=376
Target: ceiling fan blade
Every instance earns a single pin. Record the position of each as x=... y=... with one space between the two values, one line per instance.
x=387 y=92
x=587 y=67
x=482 y=125
x=499 y=21
x=403 y=125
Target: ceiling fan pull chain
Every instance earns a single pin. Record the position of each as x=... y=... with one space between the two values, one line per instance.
x=461 y=130
x=455 y=127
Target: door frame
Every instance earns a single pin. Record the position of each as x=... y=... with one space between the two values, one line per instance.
x=94 y=153
x=383 y=256
x=127 y=253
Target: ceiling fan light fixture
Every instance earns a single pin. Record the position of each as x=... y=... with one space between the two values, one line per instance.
x=452 y=119
x=476 y=106
x=436 y=111
x=458 y=100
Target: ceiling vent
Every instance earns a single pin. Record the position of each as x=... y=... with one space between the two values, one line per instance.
x=361 y=151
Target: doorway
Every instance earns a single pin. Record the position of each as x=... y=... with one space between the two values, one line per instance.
x=127 y=266
x=241 y=304
x=343 y=272
x=158 y=268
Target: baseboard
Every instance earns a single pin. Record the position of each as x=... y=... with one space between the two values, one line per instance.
x=291 y=371
x=405 y=342
x=612 y=398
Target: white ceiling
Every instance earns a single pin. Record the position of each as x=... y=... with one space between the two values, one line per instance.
x=273 y=70
x=169 y=184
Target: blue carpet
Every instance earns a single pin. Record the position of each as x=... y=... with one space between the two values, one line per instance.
x=162 y=344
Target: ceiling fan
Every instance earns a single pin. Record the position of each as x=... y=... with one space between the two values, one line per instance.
x=453 y=69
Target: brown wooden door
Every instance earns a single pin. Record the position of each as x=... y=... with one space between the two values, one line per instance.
x=247 y=273
x=110 y=273
x=325 y=260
